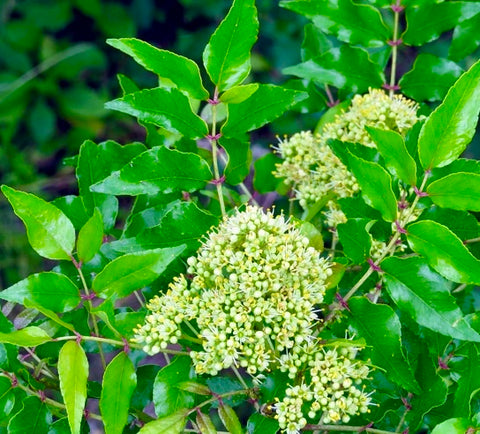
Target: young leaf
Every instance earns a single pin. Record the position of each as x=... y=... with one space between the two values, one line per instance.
x=90 y=237
x=51 y=290
x=238 y=94
x=430 y=78
x=178 y=69
x=230 y=419
x=263 y=106
x=375 y=182
x=33 y=418
x=227 y=55
x=133 y=271
x=27 y=337
x=158 y=170
x=171 y=424
x=49 y=231
x=73 y=374
x=458 y=425
x=355 y=239
x=167 y=108
x=460 y=191
x=119 y=382
x=167 y=397
x=357 y=24
x=392 y=147
x=444 y=251
x=380 y=327
x=425 y=296
x=239 y=159
x=450 y=128
x=344 y=67
x=205 y=424
x=469 y=380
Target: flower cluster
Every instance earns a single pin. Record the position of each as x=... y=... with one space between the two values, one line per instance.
x=311 y=167
x=250 y=298
x=332 y=391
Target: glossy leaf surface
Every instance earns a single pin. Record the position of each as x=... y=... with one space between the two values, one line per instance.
x=466 y=38
x=183 y=72
x=159 y=170
x=456 y=425
x=450 y=128
x=229 y=419
x=425 y=296
x=33 y=418
x=263 y=106
x=380 y=327
x=259 y=424
x=227 y=55
x=119 y=382
x=444 y=251
x=27 y=337
x=49 y=231
x=344 y=67
x=133 y=271
x=167 y=108
x=392 y=147
x=172 y=424
x=239 y=159
x=90 y=237
x=460 y=191
x=73 y=374
x=355 y=239
x=51 y=290
x=469 y=381
x=430 y=78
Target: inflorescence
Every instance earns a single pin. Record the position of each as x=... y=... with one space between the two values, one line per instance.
x=314 y=171
x=250 y=297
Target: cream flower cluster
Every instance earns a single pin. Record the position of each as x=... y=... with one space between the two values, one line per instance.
x=332 y=391
x=311 y=167
x=254 y=285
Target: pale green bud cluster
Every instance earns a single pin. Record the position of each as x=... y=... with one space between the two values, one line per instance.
x=254 y=285
x=332 y=393
x=311 y=167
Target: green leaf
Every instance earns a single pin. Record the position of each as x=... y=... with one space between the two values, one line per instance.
x=314 y=43
x=227 y=54
x=392 y=147
x=433 y=394
x=143 y=393
x=468 y=381
x=460 y=191
x=172 y=424
x=239 y=160
x=428 y=21
x=229 y=419
x=263 y=106
x=27 y=337
x=355 y=239
x=259 y=424
x=350 y=22
x=90 y=237
x=444 y=251
x=450 y=128
x=380 y=327
x=205 y=424
x=344 y=67
x=167 y=397
x=158 y=170
x=51 y=290
x=466 y=38
x=263 y=179
x=425 y=296
x=194 y=387
x=49 y=314
x=49 y=231
x=167 y=108
x=119 y=382
x=73 y=374
x=178 y=69
x=238 y=94
x=223 y=385
x=456 y=425
x=33 y=418
x=430 y=78
x=375 y=182
x=133 y=271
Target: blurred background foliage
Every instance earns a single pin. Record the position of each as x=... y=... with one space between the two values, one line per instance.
x=56 y=73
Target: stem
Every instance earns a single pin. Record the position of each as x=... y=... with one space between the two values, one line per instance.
x=472 y=241
x=139 y=298
x=213 y=143
x=216 y=398
x=44 y=367
x=393 y=66
x=345 y=428
x=78 y=266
